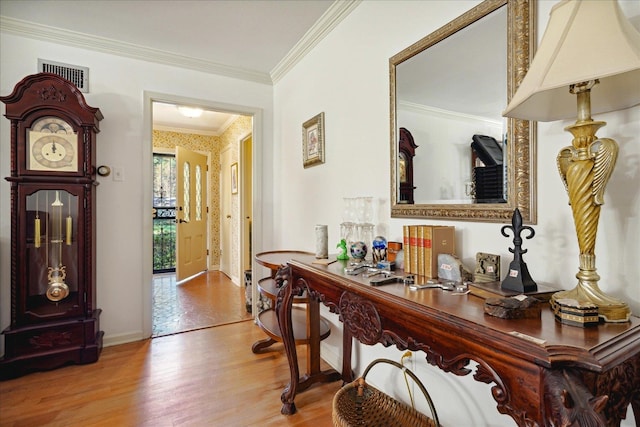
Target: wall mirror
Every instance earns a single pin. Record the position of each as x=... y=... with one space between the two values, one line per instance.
x=448 y=91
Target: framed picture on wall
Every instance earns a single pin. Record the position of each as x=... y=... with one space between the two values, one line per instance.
x=234 y=178
x=313 y=141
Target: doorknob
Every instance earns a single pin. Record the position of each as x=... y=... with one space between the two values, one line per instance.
x=182 y=221
x=228 y=216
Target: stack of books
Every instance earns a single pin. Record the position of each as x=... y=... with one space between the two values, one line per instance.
x=423 y=244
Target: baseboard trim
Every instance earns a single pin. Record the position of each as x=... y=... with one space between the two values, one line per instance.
x=118 y=339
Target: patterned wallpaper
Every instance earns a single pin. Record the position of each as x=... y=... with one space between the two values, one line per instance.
x=214 y=145
x=231 y=138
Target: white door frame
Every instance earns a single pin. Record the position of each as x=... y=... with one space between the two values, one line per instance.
x=147 y=182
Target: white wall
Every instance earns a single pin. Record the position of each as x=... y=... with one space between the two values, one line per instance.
x=118 y=87
x=346 y=76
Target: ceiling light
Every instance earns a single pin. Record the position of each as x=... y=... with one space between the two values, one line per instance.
x=190 y=111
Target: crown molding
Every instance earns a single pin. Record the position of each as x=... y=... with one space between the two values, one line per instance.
x=338 y=10
x=129 y=50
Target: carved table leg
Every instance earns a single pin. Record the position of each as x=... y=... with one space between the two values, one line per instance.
x=569 y=402
x=261 y=344
x=290 y=287
x=622 y=385
x=283 y=308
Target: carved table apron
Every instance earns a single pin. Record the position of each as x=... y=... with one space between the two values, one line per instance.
x=531 y=364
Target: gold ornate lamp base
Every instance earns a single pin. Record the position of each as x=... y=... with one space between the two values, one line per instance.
x=574 y=306
x=585 y=168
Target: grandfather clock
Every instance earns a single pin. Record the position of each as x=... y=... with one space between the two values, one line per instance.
x=406 y=152
x=54 y=319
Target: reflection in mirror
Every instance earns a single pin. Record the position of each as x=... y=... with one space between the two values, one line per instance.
x=406 y=153
x=448 y=91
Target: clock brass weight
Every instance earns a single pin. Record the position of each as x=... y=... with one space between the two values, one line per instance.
x=54 y=318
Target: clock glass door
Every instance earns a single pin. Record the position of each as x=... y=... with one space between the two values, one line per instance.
x=52 y=253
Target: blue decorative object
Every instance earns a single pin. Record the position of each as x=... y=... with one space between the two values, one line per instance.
x=358 y=250
x=379 y=249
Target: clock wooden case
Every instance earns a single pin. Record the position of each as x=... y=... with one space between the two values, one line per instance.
x=406 y=153
x=54 y=319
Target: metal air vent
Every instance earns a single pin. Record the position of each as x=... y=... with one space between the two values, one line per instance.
x=77 y=75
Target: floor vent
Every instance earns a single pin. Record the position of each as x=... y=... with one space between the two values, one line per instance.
x=77 y=75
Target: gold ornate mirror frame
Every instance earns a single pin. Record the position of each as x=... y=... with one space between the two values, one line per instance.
x=521 y=148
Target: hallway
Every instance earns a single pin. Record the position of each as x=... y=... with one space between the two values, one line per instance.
x=210 y=299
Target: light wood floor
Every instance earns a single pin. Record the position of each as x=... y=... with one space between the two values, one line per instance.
x=207 y=377
x=209 y=299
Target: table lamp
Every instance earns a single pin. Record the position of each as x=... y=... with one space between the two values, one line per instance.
x=588 y=45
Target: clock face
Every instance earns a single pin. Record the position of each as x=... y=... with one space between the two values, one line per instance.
x=53 y=146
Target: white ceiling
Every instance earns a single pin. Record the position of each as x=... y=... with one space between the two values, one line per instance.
x=243 y=38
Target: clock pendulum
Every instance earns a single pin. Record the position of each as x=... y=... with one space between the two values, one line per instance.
x=57 y=289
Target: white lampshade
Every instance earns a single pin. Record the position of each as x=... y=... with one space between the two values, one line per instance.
x=585 y=40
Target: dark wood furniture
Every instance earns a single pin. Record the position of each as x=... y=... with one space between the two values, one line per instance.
x=406 y=153
x=305 y=312
x=535 y=366
x=54 y=319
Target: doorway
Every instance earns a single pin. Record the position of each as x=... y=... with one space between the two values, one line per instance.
x=214 y=205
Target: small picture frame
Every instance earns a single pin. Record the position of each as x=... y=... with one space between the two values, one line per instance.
x=313 y=141
x=234 y=178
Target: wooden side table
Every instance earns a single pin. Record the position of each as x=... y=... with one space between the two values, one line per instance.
x=306 y=311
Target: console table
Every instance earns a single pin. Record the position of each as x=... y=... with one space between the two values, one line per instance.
x=540 y=371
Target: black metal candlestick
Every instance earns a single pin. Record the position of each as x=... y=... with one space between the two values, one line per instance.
x=518 y=278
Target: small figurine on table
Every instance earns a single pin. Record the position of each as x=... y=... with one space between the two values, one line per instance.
x=343 y=250
x=518 y=278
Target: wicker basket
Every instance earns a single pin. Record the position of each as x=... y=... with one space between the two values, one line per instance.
x=360 y=404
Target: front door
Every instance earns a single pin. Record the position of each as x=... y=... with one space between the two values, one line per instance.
x=191 y=213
